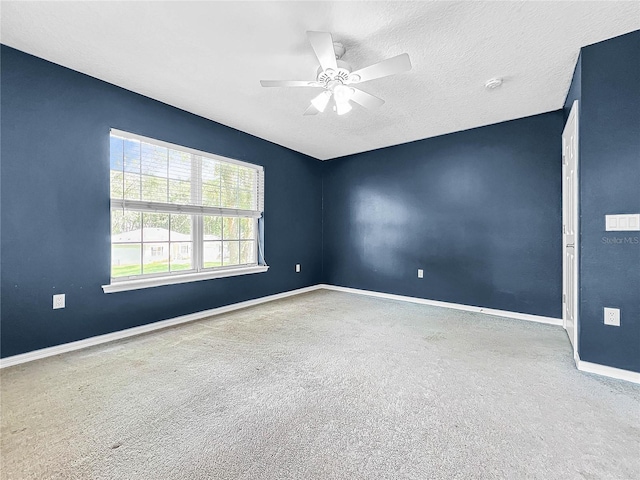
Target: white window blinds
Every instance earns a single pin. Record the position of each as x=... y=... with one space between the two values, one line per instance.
x=155 y=176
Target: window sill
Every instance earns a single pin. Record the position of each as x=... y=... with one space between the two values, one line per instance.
x=140 y=283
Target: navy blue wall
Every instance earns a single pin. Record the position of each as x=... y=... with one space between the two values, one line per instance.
x=55 y=207
x=479 y=211
x=610 y=184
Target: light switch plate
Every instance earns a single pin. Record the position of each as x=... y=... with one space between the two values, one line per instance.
x=623 y=223
x=420 y=273
x=297 y=268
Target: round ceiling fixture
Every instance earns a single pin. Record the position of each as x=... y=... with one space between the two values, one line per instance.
x=493 y=83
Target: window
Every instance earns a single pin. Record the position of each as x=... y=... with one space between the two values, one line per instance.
x=180 y=215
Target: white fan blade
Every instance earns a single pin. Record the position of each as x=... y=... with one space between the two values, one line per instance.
x=366 y=99
x=322 y=44
x=288 y=83
x=390 y=66
x=311 y=110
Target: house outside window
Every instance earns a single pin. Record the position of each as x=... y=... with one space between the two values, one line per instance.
x=179 y=212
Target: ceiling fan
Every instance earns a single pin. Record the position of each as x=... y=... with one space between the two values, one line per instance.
x=336 y=78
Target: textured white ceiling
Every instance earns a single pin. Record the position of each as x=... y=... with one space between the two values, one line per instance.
x=208 y=58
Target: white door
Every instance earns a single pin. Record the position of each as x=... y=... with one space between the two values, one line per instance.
x=570 y=227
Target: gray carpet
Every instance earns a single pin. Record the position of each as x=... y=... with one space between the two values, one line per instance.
x=324 y=385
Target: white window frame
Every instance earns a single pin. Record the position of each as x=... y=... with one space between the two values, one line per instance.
x=199 y=272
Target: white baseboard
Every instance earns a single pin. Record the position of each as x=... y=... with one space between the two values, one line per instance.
x=583 y=366
x=130 y=332
x=456 y=306
x=612 y=372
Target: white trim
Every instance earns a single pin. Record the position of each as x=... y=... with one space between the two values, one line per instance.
x=583 y=366
x=573 y=114
x=139 y=283
x=612 y=372
x=455 y=306
x=147 y=206
x=130 y=332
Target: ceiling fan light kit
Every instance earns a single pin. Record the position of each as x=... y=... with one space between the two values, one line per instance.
x=335 y=77
x=321 y=101
x=342 y=108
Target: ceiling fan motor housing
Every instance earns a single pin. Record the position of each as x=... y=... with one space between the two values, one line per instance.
x=342 y=74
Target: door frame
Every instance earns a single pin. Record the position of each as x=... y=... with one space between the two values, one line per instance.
x=576 y=203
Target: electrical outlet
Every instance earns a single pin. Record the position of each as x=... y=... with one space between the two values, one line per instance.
x=420 y=273
x=612 y=316
x=58 y=301
x=297 y=268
